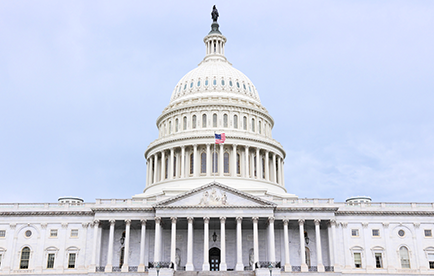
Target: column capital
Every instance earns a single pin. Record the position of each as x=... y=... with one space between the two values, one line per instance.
x=317 y=221
x=239 y=219
x=255 y=219
x=183 y=147
x=385 y=224
x=95 y=222
x=222 y=219
x=270 y=219
x=208 y=145
x=128 y=222
x=364 y=224
x=416 y=224
x=333 y=222
x=190 y=219
x=64 y=224
x=206 y=219
x=172 y=150
x=112 y=221
x=85 y=224
x=345 y=224
x=44 y=225
x=157 y=219
x=174 y=219
x=234 y=145
x=195 y=146
x=143 y=221
x=285 y=221
x=301 y=221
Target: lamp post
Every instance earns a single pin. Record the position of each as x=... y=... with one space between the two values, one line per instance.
x=270 y=267
x=158 y=268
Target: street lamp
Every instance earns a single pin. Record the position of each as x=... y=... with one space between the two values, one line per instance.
x=158 y=268
x=270 y=267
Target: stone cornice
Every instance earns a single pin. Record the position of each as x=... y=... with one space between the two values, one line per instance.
x=385 y=213
x=307 y=209
x=214 y=207
x=47 y=213
x=121 y=209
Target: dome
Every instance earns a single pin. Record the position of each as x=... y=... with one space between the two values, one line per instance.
x=215 y=77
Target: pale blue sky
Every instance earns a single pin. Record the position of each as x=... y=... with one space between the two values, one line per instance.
x=350 y=85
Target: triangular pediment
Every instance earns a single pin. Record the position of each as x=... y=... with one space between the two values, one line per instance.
x=214 y=195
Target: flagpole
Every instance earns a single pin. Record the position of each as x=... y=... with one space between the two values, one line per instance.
x=213 y=159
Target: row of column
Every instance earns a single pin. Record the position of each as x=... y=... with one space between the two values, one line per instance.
x=215 y=46
x=157 y=171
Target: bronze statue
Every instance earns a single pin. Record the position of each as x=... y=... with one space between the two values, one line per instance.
x=214 y=14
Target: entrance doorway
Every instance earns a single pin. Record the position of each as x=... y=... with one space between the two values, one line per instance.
x=214 y=259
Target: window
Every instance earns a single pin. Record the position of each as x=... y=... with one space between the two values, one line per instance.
x=28 y=233
x=214 y=82
x=235 y=121
x=431 y=260
x=1 y=257
x=121 y=257
x=244 y=86
x=203 y=162
x=230 y=83
x=253 y=125
x=71 y=260
x=245 y=123
x=206 y=82
x=174 y=166
x=185 y=86
x=204 y=120
x=184 y=127
x=214 y=120
x=375 y=232
x=191 y=163
x=170 y=127
x=401 y=233
x=223 y=82
x=50 y=260
x=254 y=165
x=166 y=169
x=226 y=162
x=357 y=260
x=355 y=232
x=198 y=83
x=215 y=159
x=2 y=233
x=428 y=232
x=193 y=121
x=74 y=233
x=176 y=125
x=263 y=168
x=238 y=164
x=238 y=84
x=25 y=257
x=307 y=256
x=404 y=257
x=225 y=120
x=259 y=128
x=378 y=260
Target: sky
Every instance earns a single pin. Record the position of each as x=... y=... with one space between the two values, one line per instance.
x=349 y=84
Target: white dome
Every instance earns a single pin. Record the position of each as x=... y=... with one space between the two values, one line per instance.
x=215 y=77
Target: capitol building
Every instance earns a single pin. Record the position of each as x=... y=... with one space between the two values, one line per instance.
x=216 y=209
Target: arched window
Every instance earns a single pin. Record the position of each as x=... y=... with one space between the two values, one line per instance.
x=193 y=121
x=259 y=127
x=184 y=123
x=191 y=163
x=253 y=125
x=245 y=123
x=121 y=257
x=204 y=120
x=174 y=166
x=307 y=254
x=25 y=258
x=226 y=162
x=176 y=125
x=405 y=257
x=170 y=127
x=215 y=162
x=214 y=120
x=166 y=164
x=254 y=166
x=225 y=120
x=238 y=164
x=203 y=162
x=263 y=168
x=235 y=121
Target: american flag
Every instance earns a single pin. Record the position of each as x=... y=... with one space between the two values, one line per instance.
x=220 y=138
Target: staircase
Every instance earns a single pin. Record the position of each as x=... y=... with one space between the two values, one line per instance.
x=214 y=273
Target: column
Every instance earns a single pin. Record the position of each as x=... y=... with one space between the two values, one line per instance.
x=255 y=242
x=267 y=166
x=182 y=161
x=141 y=267
x=189 y=265
x=195 y=169
x=205 y=266
x=366 y=235
x=271 y=241
x=221 y=161
x=286 y=241
x=155 y=168
x=239 y=266
x=171 y=167
x=223 y=265
x=208 y=160
x=274 y=178
x=333 y=226
x=109 y=266
x=173 y=243
x=234 y=160
x=252 y=166
x=279 y=165
x=258 y=164
x=319 y=262
x=282 y=172
x=94 y=246
x=330 y=243
x=246 y=164
x=125 y=266
x=304 y=267
x=151 y=173
x=163 y=165
x=157 y=243
x=148 y=182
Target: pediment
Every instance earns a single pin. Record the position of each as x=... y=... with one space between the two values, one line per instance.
x=214 y=195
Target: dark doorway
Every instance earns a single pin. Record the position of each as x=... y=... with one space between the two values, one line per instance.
x=214 y=259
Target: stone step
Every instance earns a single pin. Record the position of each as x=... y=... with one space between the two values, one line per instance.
x=214 y=273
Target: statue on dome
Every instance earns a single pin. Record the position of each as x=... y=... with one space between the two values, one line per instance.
x=214 y=14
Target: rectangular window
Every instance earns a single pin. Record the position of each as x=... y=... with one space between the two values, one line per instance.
x=378 y=260
x=74 y=233
x=355 y=232
x=2 y=233
x=357 y=260
x=71 y=261
x=50 y=260
x=375 y=232
x=53 y=233
x=431 y=260
x=1 y=257
x=428 y=232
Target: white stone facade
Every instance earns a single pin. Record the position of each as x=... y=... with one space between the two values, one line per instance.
x=233 y=214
